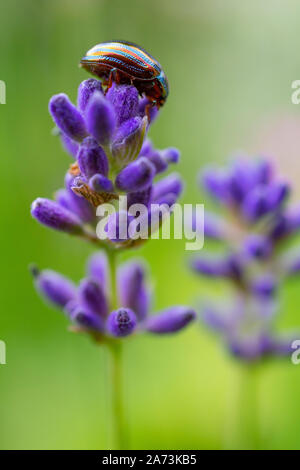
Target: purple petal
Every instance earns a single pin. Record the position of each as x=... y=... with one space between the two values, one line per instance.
x=128 y=141
x=67 y=117
x=171 y=320
x=286 y=224
x=133 y=292
x=87 y=320
x=125 y=100
x=92 y=159
x=157 y=161
x=121 y=322
x=214 y=227
x=257 y=246
x=263 y=172
x=264 y=286
x=214 y=318
x=139 y=197
x=117 y=226
x=100 y=118
x=136 y=176
x=170 y=155
x=171 y=184
x=216 y=182
x=54 y=287
x=98 y=270
x=86 y=89
x=70 y=145
x=147 y=148
x=218 y=266
x=263 y=200
x=53 y=215
x=92 y=297
x=77 y=204
x=101 y=184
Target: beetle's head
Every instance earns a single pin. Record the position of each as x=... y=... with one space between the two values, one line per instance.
x=164 y=87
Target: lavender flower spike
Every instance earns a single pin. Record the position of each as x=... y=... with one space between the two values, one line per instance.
x=252 y=260
x=87 y=305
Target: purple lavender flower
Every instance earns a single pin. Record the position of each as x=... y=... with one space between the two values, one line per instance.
x=257 y=223
x=90 y=309
x=106 y=134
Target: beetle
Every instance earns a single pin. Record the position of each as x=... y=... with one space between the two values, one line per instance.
x=126 y=62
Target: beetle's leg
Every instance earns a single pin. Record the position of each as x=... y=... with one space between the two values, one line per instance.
x=114 y=76
x=148 y=108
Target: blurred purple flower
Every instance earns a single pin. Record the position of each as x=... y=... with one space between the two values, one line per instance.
x=256 y=223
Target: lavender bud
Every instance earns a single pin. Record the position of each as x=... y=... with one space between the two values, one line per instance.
x=218 y=266
x=100 y=118
x=171 y=320
x=263 y=200
x=157 y=161
x=124 y=99
x=77 y=204
x=54 y=287
x=87 y=320
x=214 y=318
x=263 y=172
x=133 y=292
x=53 y=215
x=170 y=184
x=98 y=269
x=170 y=155
x=257 y=246
x=140 y=197
x=69 y=145
x=264 y=286
x=67 y=117
x=136 y=176
x=86 y=89
x=121 y=322
x=101 y=184
x=216 y=183
x=128 y=141
x=92 y=159
x=214 y=227
x=117 y=226
x=92 y=297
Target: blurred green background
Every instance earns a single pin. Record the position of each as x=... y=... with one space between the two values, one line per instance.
x=230 y=66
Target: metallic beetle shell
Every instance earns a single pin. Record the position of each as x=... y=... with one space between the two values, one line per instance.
x=130 y=64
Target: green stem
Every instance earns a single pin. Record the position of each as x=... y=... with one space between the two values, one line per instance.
x=112 y=259
x=243 y=426
x=115 y=367
x=118 y=416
